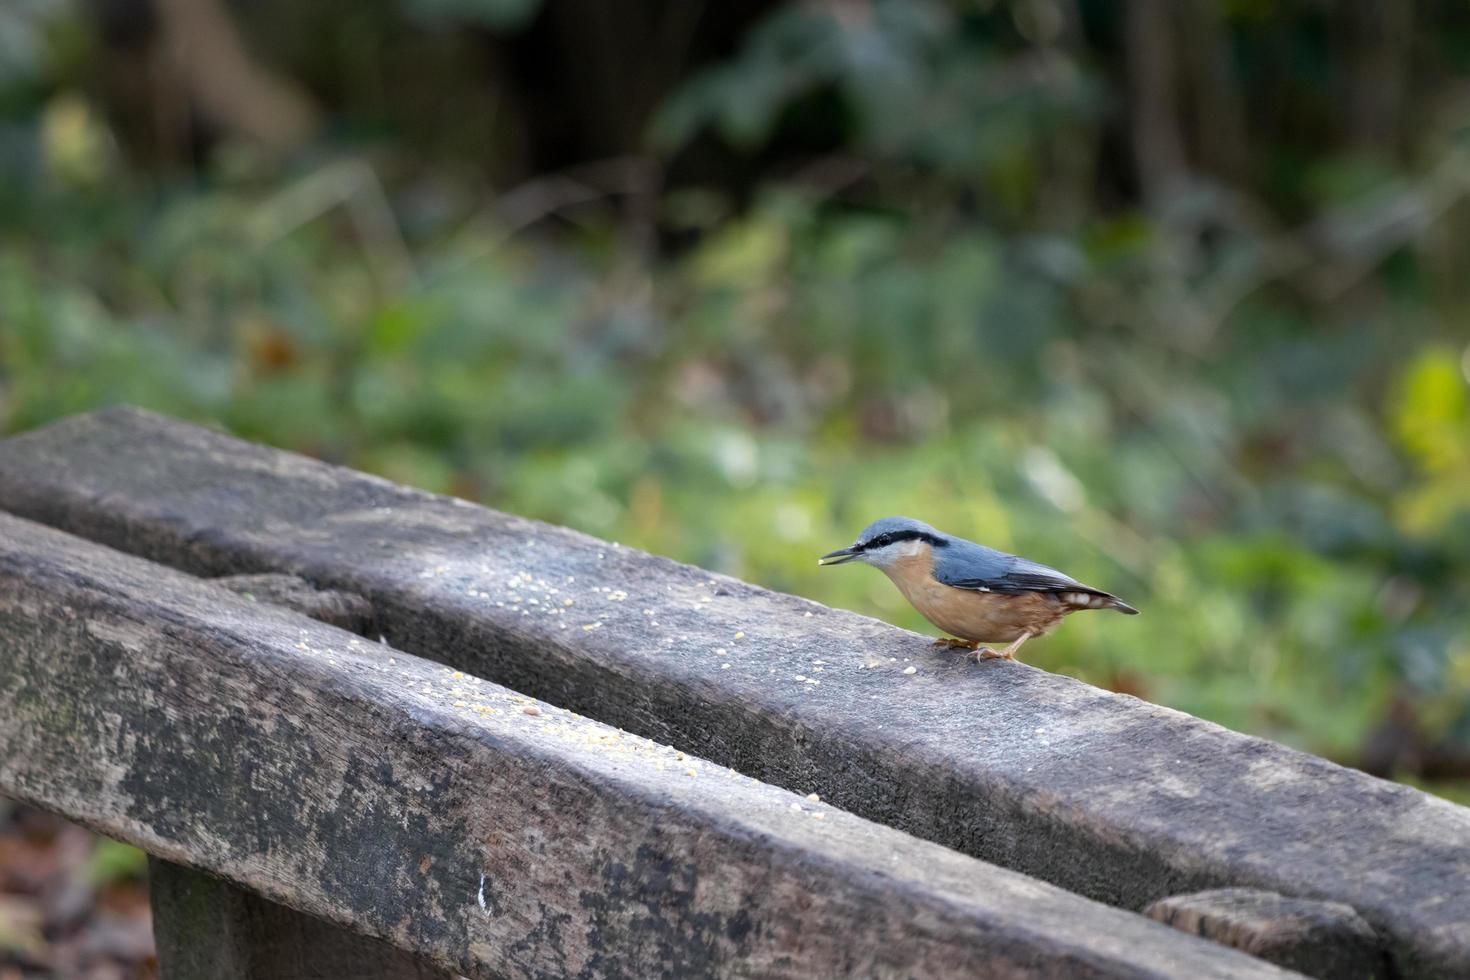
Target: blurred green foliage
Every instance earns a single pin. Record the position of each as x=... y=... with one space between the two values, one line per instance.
x=1258 y=435
x=113 y=861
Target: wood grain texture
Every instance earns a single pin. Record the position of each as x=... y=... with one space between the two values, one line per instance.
x=336 y=608
x=1320 y=939
x=461 y=821
x=1103 y=794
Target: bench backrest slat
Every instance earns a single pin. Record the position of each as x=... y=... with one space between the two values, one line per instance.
x=465 y=822
x=1103 y=794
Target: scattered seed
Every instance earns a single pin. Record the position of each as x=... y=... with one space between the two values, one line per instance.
x=911 y=670
x=531 y=710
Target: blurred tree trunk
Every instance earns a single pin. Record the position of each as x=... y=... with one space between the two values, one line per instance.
x=1153 y=86
x=178 y=74
x=1218 y=124
x=1071 y=152
x=1375 y=70
x=228 y=87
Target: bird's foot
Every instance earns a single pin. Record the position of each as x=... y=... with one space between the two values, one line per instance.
x=1009 y=653
x=950 y=643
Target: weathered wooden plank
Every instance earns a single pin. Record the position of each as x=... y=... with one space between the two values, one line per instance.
x=344 y=609
x=1320 y=939
x=207 y=928
x=464 y=822
x=1106 y=795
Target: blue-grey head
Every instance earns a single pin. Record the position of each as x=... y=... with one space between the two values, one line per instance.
x=885 y=541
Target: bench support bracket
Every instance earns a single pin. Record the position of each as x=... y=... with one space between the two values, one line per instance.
x=206 y=927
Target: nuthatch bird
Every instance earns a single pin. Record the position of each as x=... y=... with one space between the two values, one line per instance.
x=974 y=592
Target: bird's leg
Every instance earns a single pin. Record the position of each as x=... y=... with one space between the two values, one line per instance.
x=1009 y=653
x=950 y=643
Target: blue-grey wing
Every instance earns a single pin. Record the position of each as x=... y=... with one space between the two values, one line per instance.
x=965 y=565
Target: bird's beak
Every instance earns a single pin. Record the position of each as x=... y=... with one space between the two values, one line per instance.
x=839 y=557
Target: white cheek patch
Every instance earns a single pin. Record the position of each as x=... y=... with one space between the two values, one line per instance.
x=881 y=557
x=889 y=554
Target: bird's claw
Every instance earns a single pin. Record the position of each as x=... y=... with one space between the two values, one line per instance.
x=985 y=653
x=950 y=643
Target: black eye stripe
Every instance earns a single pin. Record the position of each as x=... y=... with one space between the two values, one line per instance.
x=889 y=537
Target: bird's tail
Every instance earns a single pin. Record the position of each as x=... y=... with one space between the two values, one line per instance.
x=1097 y=600
x=1121 y=606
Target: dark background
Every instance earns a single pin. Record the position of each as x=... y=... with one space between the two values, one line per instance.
x=1172 y=294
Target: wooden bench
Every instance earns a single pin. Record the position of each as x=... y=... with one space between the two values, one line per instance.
x=476 y=811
